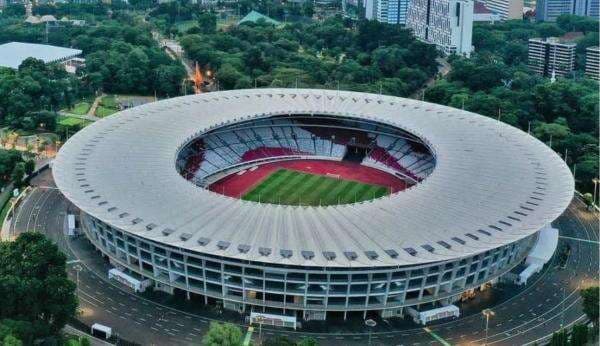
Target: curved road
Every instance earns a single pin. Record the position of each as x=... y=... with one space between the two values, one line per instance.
x=549 y=301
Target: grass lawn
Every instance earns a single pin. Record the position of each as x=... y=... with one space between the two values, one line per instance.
x=108 y=105
x=185 y=25
x=102 y=111
x=71 y=121
x=296 y=188
x=109 y=101
x=80 y=108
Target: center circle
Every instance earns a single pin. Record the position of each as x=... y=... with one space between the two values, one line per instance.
x=306 y=160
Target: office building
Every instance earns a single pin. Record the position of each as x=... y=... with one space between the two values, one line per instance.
x=386 y=11
x=506 y=9
x=483 y=14
x=549 y=10
x=592 y=62
x=551 y=57
x=446 y=23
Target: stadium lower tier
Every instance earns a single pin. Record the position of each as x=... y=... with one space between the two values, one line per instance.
x=341 y=182
x=306 y=292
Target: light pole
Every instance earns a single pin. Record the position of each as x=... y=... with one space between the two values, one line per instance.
x=77 y=270
x=487 y=313
x=595 y=181
x=260 y=320
x=371 y=324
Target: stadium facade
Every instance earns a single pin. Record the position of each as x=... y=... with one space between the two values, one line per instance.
x=479 y=192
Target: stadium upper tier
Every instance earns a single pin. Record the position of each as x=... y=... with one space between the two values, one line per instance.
x=311 y=135
x=491 y=184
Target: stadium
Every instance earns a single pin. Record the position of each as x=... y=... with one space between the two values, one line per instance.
x=313 y=204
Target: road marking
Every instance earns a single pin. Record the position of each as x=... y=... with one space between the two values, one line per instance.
x=437 y=337
x=579 y=239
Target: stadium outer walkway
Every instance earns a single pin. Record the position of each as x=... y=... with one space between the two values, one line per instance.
x=533 y=313
x=236 y=185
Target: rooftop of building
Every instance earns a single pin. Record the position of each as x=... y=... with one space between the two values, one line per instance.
x=554 y=40
x=254 y=17
x=12 y=54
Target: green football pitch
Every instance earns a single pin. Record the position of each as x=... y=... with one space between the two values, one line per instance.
x=296 y=188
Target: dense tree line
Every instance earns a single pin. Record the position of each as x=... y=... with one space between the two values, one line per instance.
x=36 y=296
x=25 y=94
x=333 y=53
x=121 y=57
x=497 y=82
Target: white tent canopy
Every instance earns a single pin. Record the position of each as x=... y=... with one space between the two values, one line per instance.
x=541 y=253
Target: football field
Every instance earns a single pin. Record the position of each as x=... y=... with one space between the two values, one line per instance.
x=296 y=188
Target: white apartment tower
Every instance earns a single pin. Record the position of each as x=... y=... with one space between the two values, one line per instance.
x=506 y=9
x=592 y=62
x=551 y=57
x=446 y=23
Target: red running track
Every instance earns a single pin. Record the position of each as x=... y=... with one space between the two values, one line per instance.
x=237 y=185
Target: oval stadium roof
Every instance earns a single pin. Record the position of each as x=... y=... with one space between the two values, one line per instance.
x=492 y=185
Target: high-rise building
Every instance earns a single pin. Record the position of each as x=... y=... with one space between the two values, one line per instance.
x=551 y=57
x=446 y=23
x=506 y=9
x=386 y=11
x=483 y=14
x=592 y=62
x=549 y=10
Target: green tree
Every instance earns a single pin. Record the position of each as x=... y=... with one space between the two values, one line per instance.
x=35 y=292
x=228 y=76
x=590 y=302
x=579 y=335
x=222 y=334
x=18 y=174
x=559 y=338
x=207 y=22
x=307 y=342
x=11 y=340
x=549 y=30
x=588 y=198
x=29 y=166
x=556 y=131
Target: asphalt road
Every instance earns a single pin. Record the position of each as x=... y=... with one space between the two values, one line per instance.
x=549 y=301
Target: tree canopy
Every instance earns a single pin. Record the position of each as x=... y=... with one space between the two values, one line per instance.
x=591 y=302
x=222 y=334
x=371 y=57
x=36 y=296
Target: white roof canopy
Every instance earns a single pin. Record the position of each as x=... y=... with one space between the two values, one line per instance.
x=492 y=185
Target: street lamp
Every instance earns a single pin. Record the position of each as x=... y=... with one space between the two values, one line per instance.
x=595 y=181
x=260 y=320
x=371 y=324
x=487 y=313
x=77 y=268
